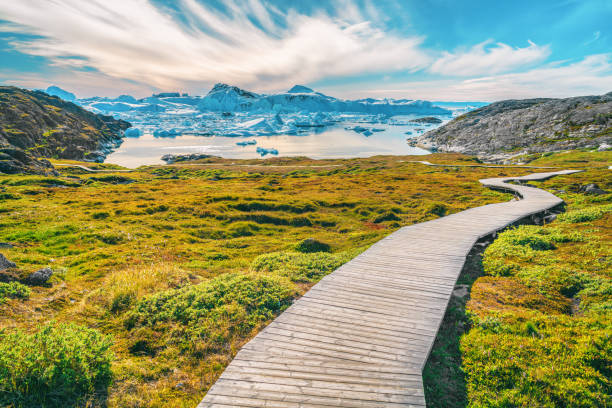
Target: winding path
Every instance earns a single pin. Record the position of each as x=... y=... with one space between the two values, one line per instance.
x=361 y=336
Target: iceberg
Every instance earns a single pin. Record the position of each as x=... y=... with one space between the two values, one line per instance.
x=247 y=143
x=263 y=151
x=113 y=106
x=230 y=111
x=223 y=97
x=132 y=132
x=125 y=98
x=166 y=133
x=60 y=93
x=358 y=129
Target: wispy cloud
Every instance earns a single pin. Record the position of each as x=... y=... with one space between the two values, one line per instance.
x=249 y=45
x=595 y=37
x=487 y=58
x=590 y=76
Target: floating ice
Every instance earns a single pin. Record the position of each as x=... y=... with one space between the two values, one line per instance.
x=166 y=132
x=247 y=143
x=263 y=151
x=132 y=132
x=230 y=111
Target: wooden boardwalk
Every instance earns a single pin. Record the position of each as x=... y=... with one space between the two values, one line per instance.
x=361 y=336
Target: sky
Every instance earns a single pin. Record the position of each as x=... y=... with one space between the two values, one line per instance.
x=441 y=50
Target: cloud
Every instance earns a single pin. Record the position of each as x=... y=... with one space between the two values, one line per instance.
x=85 y=83
x=596 y=36
x=487 y=59
x=249 y=45
x=590 y=76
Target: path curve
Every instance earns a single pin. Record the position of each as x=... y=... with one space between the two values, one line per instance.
x=361 y=336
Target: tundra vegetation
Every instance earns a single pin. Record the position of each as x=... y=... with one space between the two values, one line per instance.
x=535 y=331
x=163 y=273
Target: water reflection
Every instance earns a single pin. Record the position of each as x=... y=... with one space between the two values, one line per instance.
x=330 y=142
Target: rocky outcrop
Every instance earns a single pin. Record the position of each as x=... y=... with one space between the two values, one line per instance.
x=506 y=128
x=36 y=125
x=427 y=119
x=176 y=158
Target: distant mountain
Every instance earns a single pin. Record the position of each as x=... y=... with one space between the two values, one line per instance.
x=229 y=98
x=505 y=128
x=34 y=125
x=60 y=93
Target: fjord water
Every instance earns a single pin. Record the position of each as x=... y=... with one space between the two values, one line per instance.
x=325 y=143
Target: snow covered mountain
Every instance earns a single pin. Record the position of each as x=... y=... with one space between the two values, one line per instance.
x=229 y=98
x=231 y=111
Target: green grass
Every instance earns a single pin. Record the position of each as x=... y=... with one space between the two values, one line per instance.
x=300 y=267
x=61 y=365
x=541 y=318
x=182 y=265
x=14 y=290
x=586 y=214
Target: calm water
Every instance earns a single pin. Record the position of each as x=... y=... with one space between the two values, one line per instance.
x=332 y=142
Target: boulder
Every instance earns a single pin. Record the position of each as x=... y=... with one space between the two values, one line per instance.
x=592 y=189
x=40 y=277
x=5 y=263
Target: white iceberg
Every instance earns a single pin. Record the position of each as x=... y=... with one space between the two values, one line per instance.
x=263 y=151
x=132 y=132
x=247 y=143
x=60 y=93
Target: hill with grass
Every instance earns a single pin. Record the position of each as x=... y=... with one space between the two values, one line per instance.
x=507 y=128
x=36 y=125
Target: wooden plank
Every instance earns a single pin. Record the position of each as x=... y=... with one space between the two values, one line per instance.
x=361 y=336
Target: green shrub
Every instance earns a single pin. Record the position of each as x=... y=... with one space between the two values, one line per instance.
x=297 y=207
x=550 y=362
x=102 y=215
x=243 y=229
x=62 y=365
x=310 y=245
x=523 y=244
x=111 y=179
x=386 y=216
x=13 y=290
x=299 y=267
x=586 y=214
x=437 y=209
x=213 y=313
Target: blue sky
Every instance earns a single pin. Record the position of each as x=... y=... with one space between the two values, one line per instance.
x=436 y=49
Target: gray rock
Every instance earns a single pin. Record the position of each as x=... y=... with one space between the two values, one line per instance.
x=550 y=218
x=427 y=119
x=503 y=129
x=175 y=158
x=5 y=263
x=593 y=189
x=40 y=277
x=5 y=245
x=461 y=291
